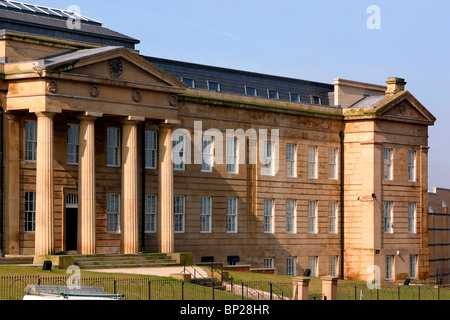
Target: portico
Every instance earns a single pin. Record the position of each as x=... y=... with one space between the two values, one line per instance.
x=90 y=91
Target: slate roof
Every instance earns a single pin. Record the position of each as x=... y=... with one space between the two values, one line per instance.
x=235 y=81
x=52 y=25
x=368 y=101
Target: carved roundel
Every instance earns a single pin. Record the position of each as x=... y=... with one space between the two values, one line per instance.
x=115 y=68
x=94 y=90
x=137 y=96
x=52 y=86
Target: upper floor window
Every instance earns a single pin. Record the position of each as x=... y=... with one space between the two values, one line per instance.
x=113 y=147
x=269 y=161
x=291 y=214
x=388 y=217
x=388 y=164
x=151 y=149
x=316 y=100
x=312 y=216
x=332 y=217
x=213 y=86
x=273 y=94
x=332 y=163
x=30 y=141
x=294 y=97
x=312 y=162
x=232 y=214
x=291 y=160
x=412 y=217
x=179 y=146
x=179 y=213
x=268 y=216
x=412 y=166
x=205 y=214
x=73 y=144
x=232 y=155
x=251 y=91
x=189 y=81
x=207 y=153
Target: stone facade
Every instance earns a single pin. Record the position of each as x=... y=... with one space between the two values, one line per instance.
x=96 y=88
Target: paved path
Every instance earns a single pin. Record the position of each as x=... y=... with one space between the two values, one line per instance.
x=161 y=272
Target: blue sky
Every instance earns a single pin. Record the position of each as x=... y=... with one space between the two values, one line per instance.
x=314 y=40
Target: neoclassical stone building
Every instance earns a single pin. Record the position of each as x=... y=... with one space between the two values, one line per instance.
x=91 y=129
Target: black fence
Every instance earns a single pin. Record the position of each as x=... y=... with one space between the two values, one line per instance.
x=14 y=288
x=393 y=292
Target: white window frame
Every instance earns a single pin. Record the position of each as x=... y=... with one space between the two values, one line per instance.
x=388 y=217
x=269 y=213
x=388 y=164
x=333 y=217
x=291 y=266
x=313 y=263
x=30 y=141
x=412 y=171
x=291 y=160
x=215 y=82
x=312 y=100
x=207 y=154
x=113 y=213
x=151 y=212
x=251 y=95
x=413 y=262
x=176 y=139
x=113 y=147
x=312 y=217
x=389 y=268
x=269 y=263
x=292 y=100
x=333 y=163
x=277 y=94
x=291 y=216
x=30 y=212
x=269 y=161
x=232 y=215
x=73 y=144
x=333 y=266
x=233 y=155
x=151 y=150
x=189 y=79
x=206 y=215
x=412 y=217
x=313 y=162
x=179 y=213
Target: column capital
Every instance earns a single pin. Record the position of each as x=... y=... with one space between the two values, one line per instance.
x=133 y=120
x=90 y=116
x=168 y=123
x=46 y=114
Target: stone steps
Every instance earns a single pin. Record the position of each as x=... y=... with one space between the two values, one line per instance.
x=124 y=261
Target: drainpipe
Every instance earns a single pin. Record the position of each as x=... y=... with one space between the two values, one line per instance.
x=2 y=226
x=342 y=135
x=143 y=185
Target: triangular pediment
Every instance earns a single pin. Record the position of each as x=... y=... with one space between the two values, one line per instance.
x=405 y=107
x=115 y=64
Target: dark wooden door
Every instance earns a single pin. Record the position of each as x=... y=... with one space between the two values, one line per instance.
x=71 y=229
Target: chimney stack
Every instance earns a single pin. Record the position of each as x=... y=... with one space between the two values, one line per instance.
x=395 y=85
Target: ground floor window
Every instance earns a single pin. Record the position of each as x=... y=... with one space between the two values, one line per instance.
x=269 y=263
x=333 y=266
x=291 y=266
x=150 y=213
x=205 y=215
x=312 y=265
x=179 y=213
x=113 y=212
x=413 y=267
x=30 y=211
x=389 y=267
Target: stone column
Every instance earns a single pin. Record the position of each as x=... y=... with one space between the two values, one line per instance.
x=166 y=241
x=45 y=224
x=12 y=184
x=329 y=287
x=130 y=192
x=301 y=288
x=87 y=190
